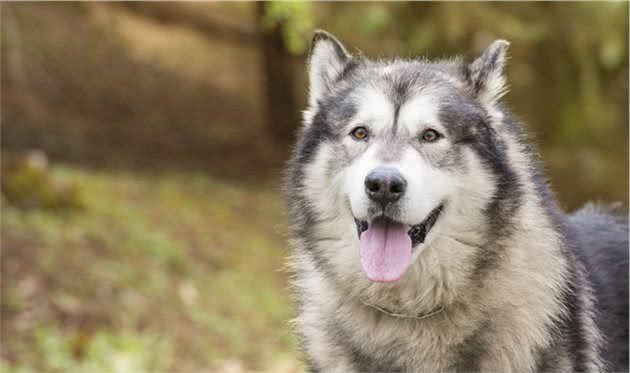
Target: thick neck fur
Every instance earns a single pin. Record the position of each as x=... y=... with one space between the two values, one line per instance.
x=451 y=269
x=508 y=288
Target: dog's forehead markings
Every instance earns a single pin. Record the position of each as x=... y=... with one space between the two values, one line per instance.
x=377 y=109
x=374 y=108
x=420 y=110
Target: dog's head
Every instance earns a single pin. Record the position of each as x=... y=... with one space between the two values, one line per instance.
x=399 y=151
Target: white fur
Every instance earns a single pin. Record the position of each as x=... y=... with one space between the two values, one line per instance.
x=419 y=112
x=325 y=67
x=374 y=111
x=495 y=85
x=521 y=295
x=427 y=186
x=353 y=183
x=438 y=276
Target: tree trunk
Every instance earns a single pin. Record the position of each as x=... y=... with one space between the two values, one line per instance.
x=282 y=113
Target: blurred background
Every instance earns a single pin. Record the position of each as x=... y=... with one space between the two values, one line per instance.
x=142 y=143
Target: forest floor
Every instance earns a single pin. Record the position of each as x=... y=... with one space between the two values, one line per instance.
x=171 y=272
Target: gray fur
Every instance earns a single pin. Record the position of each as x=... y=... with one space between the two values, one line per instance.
x=524 y=286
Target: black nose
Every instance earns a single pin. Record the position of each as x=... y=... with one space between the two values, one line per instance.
x=385 y=185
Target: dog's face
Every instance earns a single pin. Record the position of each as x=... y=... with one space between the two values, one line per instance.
x=406 y=145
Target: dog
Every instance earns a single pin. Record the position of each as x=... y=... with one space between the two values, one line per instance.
x=425 y=237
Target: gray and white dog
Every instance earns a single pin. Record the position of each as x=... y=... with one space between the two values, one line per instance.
x=425 y=237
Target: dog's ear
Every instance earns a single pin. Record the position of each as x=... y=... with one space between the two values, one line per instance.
x=485 y=75
x=327 y=61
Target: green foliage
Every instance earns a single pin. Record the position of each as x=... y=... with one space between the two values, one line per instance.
x=376 y=18
x=27 y=184
x=296 y=20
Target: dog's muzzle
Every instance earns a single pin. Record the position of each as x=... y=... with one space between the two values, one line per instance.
x=418 y=233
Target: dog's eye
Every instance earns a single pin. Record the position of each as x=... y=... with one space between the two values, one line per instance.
x=430 y=135
x=359 y=133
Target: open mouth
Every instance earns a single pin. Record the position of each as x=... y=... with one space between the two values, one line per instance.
x=386 y=245
x=418 y=233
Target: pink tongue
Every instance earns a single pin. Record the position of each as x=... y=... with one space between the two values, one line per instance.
x=385 y=251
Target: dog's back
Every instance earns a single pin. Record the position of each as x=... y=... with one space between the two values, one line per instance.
x=601 y=244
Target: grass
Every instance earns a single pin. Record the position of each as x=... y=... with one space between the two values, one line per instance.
x=170 y=272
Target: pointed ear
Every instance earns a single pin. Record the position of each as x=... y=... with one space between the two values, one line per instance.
x=327 y=61
x=486 y=74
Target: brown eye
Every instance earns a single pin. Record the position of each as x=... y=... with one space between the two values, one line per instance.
x=430 y=135
x=359 y=133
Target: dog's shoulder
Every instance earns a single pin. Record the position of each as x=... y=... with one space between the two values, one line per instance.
x=600 y=234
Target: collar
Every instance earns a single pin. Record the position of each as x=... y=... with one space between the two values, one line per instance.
x=421 y=316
